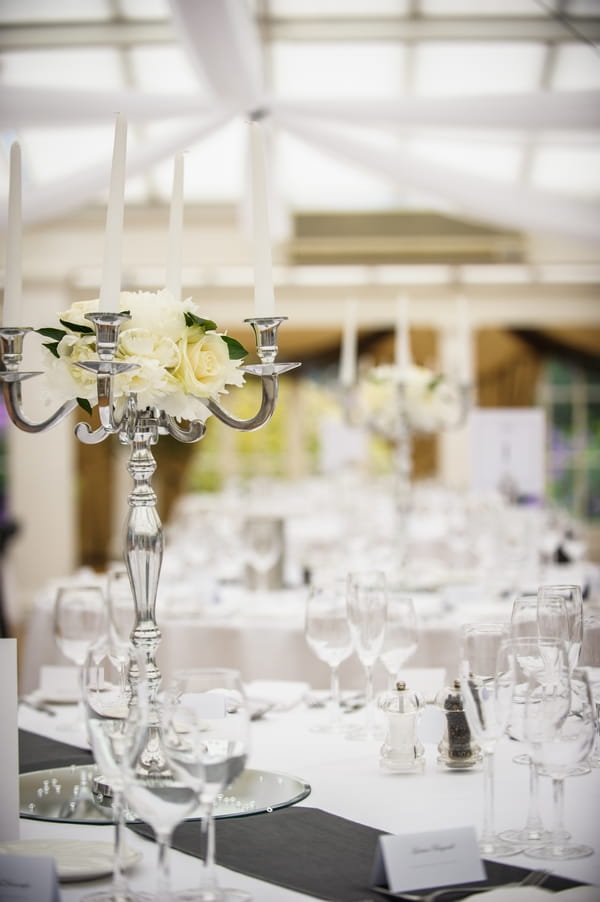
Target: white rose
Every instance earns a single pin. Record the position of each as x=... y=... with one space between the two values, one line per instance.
x=138 y=342
x=205 y=367
x=77 y=311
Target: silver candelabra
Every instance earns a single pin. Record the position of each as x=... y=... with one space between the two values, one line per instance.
x=140 y=429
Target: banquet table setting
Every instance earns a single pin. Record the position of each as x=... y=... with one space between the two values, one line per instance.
x=345 y=781
x=325 y=793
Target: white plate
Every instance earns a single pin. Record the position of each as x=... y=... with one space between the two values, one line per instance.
x=76 y=859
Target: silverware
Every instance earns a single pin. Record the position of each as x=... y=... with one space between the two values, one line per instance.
x=533 y=878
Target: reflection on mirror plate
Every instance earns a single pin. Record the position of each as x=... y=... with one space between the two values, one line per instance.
x=73 y=794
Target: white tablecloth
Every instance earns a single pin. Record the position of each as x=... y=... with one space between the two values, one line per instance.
x=346 y=780
x=262 y=636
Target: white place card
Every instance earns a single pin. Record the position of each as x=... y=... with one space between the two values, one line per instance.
x=9 y=747
x=25 y=878
x=421 y=860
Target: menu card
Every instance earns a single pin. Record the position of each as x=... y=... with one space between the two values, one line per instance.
x=25 y=878
x=9 y=747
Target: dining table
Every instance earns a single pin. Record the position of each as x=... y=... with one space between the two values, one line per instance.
x=323 y=843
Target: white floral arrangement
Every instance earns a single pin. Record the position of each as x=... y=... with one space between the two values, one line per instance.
x=431 y=402
x=180 y=356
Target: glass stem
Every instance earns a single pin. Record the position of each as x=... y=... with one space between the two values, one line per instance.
x=558 y=799
x=336 y=713
x=487 y=832
x=163 y=883
x=209 y=873
x=119 y=883
x=369 y=718
x=533 y=824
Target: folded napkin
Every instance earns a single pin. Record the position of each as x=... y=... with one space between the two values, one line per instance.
x=310 y=851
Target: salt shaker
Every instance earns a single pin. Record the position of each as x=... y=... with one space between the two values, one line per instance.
x=402 y=752
x=457 y=749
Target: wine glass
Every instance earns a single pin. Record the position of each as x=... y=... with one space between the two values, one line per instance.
x=262 y=546
x=155 y=788
x=366 y=605
x=210 y=714
x=110 y=732
x=523 y=657
x=486 y=695
x=590 y=659
x=561 y=745
x=327 y=633
x=401 y=633
x=79 y=618
x=551 y=618
x=524 y=616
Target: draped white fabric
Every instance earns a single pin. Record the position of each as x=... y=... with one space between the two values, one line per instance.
x=222 y=45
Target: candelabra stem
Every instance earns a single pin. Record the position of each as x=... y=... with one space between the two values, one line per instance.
x=143 y=558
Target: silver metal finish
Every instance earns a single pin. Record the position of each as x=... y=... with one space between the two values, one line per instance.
x=140 y=429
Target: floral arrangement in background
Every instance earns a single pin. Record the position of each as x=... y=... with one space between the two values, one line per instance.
x=180 y=357
x=431 y=401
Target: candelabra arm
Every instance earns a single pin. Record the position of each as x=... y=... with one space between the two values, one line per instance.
x=270 y=390
x=89 y=436
x=193 y=432
x=13 y=401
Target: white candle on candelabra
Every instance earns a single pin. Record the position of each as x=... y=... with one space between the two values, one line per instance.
x=110 y=288
x=348 y=349
x=402 y=355
x=174 y=248
x=264 y=296
x=465 y=342
x=11 y=311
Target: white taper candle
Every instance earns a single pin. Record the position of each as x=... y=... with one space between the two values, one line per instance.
x=465 y=342
x=349 y=344
x=264 y=296
x=402 y=355
x=11 y=311
x=110 y=288
x=174 y=247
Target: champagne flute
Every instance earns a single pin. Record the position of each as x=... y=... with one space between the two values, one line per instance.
x=561 y=746
x=262 y=547
x=328 y=634
x=213 y=755
x=401 y=633
x=551 y=620
x=79 y=619
x=366 y=605
x=110 y=731
x=486 y=698
x=121 y=618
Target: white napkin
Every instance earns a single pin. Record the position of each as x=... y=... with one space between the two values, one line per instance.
x=283 y=695
x=9 y=748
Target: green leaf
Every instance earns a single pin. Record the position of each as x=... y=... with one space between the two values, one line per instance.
x=437 y=379
x=85 y=404
x=56 y=334
x=192 y=320
x=52 y=347
x=236 y=350
x=75 y=327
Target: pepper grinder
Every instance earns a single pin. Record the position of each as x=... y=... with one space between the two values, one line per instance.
x=456 y=748
x=402 y=752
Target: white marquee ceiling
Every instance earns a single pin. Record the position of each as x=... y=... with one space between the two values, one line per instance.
x=482 y=108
